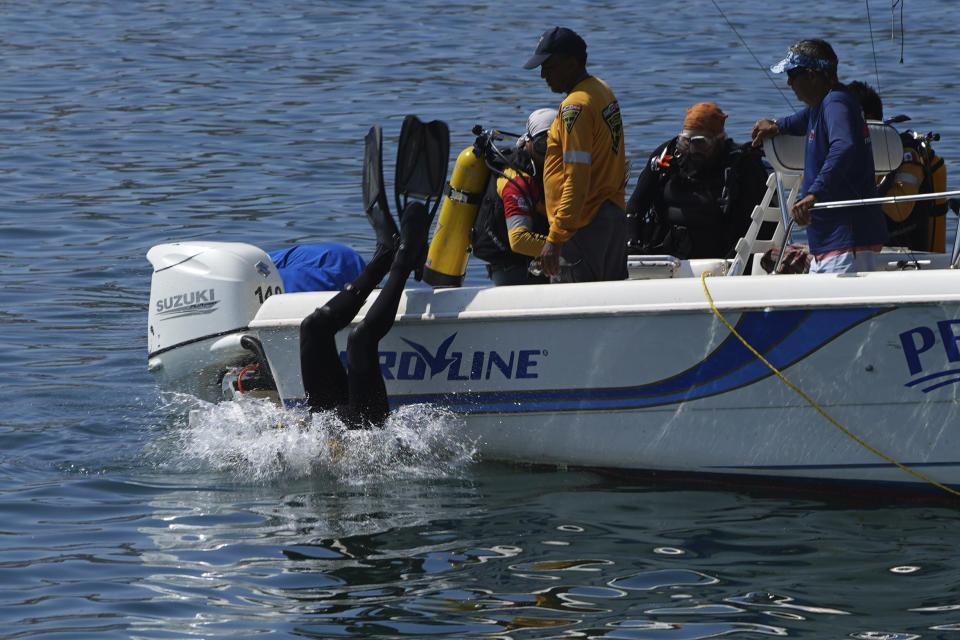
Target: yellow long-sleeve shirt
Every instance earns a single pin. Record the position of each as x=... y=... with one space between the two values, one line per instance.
x=585 y=161
x=522 y=205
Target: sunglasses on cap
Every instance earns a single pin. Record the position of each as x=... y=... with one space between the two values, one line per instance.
x=696 y=144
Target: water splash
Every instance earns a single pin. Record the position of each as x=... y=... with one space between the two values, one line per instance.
x=256 y=440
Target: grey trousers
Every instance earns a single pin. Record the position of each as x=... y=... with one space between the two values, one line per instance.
x=597 y=251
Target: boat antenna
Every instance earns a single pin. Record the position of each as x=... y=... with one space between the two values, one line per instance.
x=766 y=71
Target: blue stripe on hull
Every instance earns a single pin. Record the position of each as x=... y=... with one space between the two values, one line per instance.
x=783 y=337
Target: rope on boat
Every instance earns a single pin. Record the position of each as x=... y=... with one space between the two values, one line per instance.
x=716 y=311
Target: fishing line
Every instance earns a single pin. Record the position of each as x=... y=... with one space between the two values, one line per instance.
x=893 y=24
x=810 y=401
x=765 y=70
x=873 y=46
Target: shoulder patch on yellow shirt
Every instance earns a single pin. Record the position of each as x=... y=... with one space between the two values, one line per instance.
x=569 y=115
x=611 y=115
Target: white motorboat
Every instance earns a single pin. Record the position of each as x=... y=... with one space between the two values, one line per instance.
x=639 y=375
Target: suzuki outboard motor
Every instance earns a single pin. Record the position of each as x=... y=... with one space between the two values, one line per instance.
x=202 y=297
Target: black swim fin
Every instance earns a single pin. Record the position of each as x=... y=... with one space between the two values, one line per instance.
x=374 y=194
x=423 y=153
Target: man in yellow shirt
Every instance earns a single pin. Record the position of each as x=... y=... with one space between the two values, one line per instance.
x=584 y=171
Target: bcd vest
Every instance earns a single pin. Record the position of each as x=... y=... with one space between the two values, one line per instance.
x=488 y=237
x=924 y=229
x=690 y=215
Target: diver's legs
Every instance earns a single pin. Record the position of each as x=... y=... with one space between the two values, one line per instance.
x=368 y=402
x=324 y=378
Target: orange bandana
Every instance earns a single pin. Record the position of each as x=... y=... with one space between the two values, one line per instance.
x=704 y=117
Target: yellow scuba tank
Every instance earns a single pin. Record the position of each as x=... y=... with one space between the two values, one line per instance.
x=450 y=248
x=937 y=222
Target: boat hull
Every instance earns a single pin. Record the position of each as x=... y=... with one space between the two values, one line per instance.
x=645 y=376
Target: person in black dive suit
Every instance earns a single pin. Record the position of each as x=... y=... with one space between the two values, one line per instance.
x=358 y=393
x=695 y=195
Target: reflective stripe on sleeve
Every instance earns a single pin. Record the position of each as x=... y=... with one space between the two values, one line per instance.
x=519 y=220
x=581 y=157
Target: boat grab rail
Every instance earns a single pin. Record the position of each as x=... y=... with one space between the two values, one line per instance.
x=952 y=197
x=836 y=204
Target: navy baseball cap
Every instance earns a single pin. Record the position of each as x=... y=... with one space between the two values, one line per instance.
x=556 y=40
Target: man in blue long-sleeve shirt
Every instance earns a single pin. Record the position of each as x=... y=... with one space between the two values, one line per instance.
x=838 y=162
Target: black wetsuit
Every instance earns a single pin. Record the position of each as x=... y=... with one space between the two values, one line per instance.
x=690 y=214
x=358 y=393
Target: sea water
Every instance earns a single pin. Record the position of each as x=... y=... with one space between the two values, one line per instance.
x=127 y=124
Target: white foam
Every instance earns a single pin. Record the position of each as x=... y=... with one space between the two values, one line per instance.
x=255 y=440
